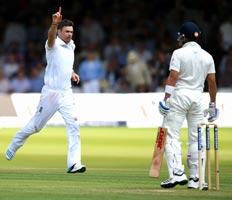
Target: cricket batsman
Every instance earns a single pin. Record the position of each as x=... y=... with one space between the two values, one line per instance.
x=190 y=67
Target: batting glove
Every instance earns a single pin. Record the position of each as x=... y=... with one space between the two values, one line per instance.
x=212 y=111
x=164 y=109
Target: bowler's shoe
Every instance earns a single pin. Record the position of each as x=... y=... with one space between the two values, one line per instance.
x=77 y=169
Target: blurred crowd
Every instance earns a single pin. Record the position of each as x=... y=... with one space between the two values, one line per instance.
x=121 y=46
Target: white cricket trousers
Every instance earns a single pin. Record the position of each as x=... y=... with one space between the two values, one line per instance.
x=184 y=104
x=50 y=102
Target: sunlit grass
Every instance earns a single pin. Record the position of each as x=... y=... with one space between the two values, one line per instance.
x=117 y=160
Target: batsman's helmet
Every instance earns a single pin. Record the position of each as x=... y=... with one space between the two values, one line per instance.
x=190 y=31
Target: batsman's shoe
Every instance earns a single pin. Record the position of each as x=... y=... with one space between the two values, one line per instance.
x=9 y=154
x=193 y=183
x=177 y=179
x=77 y=169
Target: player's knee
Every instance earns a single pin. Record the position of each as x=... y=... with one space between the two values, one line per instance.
x=37 y=128
x=31 y=128
x=38 y=124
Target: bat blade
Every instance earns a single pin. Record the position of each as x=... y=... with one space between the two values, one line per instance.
x=158 y=152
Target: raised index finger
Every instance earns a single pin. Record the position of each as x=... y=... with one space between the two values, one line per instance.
x=59 y=10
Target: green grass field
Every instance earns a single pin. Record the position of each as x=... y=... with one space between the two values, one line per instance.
x=117 y=159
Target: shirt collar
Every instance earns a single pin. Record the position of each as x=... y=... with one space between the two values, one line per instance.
x=192 y=43
x=62 y=43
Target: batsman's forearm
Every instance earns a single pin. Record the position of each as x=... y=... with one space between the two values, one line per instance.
x=172 y=78
x=52 y=34
x=212 y=91
x=170 y=82
x=212 y=87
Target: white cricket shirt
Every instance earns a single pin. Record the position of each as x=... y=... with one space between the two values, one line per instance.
x=60 y=59
x=193 y=64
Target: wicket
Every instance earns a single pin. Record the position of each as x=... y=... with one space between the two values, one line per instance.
x=216 y=161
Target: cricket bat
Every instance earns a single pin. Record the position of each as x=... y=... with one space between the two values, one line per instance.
x=158 y=152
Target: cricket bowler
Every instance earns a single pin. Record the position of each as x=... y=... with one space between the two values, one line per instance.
x=56 y=94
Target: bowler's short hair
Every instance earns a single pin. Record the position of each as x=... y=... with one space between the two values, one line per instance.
x=65 y=22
